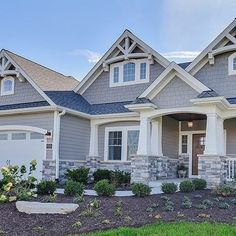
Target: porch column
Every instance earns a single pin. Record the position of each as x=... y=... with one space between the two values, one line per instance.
x=156 y=137
x=144 y=136
x=93 y=147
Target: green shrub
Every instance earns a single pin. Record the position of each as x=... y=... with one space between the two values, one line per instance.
x=73 y=188
x=207 y=203
x=186 y=186
x=224 y=190
x=223 y=205
x=186 y=203
x=141 y=190
x=199 y=184
x=118 y=178
x=46 y=187
x=102 y=174
x=78 y=175
x=104 y=188
x=169 y=188
x=169 y=206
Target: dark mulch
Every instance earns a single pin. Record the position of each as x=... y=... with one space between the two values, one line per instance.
x=133 y=214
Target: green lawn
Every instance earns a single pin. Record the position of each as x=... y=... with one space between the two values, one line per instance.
x=173 y=229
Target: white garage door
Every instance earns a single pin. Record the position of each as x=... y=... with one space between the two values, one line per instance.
x=19 y=148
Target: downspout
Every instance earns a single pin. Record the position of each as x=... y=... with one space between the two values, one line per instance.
x=57 y=140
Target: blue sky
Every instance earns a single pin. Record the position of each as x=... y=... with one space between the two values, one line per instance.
x=70 y=36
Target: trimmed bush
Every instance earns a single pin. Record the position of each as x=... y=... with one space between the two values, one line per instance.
x=104 y=188
x=169 y=188
x=118 y=178
x=46 y=187
x=224 y=190
x=102 y=174
x=78 y=175
x=74 y=188
x=141 y=190
x=186 y=186
x=199 y=184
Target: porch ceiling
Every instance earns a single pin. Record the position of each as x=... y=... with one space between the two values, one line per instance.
x=187 y=116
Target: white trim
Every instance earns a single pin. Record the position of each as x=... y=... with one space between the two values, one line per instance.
x=162 y=60
x=22 y=128
x=231 y=58
x=3 y=93
x=167 y=75
x=137 y=78
x=124 y=130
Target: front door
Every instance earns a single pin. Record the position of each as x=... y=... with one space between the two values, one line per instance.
x=198 y=148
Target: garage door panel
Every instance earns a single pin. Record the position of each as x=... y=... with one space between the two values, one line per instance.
x=22 y=150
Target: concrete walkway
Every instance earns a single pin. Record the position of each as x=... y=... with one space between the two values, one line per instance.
x=155 y=185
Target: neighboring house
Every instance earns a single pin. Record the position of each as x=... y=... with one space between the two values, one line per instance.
x=134 y=111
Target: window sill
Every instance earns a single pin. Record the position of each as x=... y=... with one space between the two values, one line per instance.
x=107 y=161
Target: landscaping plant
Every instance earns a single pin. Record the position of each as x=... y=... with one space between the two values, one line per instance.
x=101 y=174
x=224 y=190
x=169 y=188
x=186 y=186
x=223 y=205
x=104 y=188
x=78 y=175
x=46 y=187
x=119 y=178
x=73 y=188
x=199 y=184
x=17 y=184
x=140 y=190
x=186 y=203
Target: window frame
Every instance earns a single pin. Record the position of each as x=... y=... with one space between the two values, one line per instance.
x=3 y=93
x=231 y=58
x=137 y=79
x=124 y=146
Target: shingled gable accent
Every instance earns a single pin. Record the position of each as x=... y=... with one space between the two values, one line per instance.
x=218 y=45
x=110 y=56
x=167 y=75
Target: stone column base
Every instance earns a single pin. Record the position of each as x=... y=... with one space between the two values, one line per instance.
x=212 y=168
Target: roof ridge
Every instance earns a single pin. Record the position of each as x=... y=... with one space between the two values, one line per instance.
x=38 y=64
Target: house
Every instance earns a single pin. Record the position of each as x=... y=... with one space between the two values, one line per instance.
x=134 y=111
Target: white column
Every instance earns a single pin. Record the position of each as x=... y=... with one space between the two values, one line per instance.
x=93 y=147
x=156 y=137
x=144 y=137
x=214 y=135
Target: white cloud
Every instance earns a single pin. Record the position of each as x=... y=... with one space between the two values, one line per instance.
x=92 y=57
x=190 y=55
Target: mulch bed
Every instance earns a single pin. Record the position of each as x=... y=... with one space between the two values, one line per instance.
x=133 y=212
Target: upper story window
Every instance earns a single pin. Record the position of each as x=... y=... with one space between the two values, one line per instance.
x=232 y=64
x=129 y=72
x=7 y=86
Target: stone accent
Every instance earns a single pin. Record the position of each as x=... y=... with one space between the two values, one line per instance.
x=151 y=168
x=49 y=169
x=212 y=169
x=45 y=208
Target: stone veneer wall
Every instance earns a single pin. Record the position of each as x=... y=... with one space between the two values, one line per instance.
x=212 y=169
x=49 y=169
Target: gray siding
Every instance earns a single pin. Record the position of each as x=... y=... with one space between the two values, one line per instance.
x=175 y=94
x=216 y=76
x=74 y=138
x=197 y=125
x=40 y=120
x=230 y=126
x=170 y=137
x=101 y=133
x=23 y=93
x=100 y=92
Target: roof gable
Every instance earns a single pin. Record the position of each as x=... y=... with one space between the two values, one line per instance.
x=225 y=41
x=167 y=75
x=126 y=46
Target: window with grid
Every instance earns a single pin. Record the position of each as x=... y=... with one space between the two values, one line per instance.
x=234 y=64
x=132 y=143
x=116 y=75
x=184 y=144
x=129 y=72
x=143 y=70
x=115 y=145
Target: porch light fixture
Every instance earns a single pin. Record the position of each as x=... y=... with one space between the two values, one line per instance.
x=190 y=124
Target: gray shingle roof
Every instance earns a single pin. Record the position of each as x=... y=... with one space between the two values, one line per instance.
x=24 y=105
x=208 y=94
x=141 y=101
x=184 y=64
x=72 y=100
x=231 y=100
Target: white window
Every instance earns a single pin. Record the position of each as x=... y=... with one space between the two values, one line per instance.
x=184 y=144
x=7 y=86
x=120 y=143
x=232 y=64
x=129 y=72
